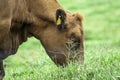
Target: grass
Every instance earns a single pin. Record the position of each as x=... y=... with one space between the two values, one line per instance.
x=102 y=48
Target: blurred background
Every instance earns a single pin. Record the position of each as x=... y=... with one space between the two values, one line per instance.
x=102 y=47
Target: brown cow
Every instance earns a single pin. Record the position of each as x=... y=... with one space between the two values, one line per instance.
x=59 y=31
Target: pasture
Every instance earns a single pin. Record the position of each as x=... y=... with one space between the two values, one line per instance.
x=102 y=48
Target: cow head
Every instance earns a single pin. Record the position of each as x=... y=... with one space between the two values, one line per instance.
x=63 y=39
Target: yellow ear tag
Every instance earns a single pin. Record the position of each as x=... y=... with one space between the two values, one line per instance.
x=59 y=21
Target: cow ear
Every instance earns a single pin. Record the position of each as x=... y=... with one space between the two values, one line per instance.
x=60 y=19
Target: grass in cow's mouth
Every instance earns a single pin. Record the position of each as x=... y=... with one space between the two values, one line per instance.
x=102 y=48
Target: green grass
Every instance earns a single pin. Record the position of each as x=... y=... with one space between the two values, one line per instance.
x=102 y=48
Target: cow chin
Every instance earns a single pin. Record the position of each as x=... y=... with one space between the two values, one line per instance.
x=58 y=58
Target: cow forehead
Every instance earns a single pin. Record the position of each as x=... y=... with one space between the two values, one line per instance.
x=73 y=24
x=75 y=29
x=70 y=18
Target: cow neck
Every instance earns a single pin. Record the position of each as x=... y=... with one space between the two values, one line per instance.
x=44 y=9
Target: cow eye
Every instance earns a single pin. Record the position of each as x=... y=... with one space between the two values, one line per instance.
x=73 y=42
x=76 y=42
x=72 y=37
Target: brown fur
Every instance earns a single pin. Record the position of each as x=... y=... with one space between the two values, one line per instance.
x=20 y=19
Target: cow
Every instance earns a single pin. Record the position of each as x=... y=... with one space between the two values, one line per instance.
x=60 y=31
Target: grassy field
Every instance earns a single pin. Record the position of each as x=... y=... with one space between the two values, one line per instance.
x=102 y=48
